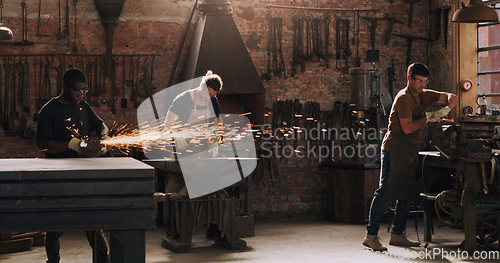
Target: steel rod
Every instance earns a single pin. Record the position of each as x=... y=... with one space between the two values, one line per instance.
x=323 y=9
x=78 y=55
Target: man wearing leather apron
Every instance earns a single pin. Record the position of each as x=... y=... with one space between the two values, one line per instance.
x=194 y=112
x=400 y=155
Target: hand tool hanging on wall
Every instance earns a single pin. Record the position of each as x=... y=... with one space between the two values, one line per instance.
x=114 y=90
x=60 y=72
x=89 y=71
x=356 y=36
x=24 y=21
x=327 y=54
x=6 y=88
x=131 y=80
x=136 y=79
x=24 y=27
x=279 y=45
x=147 y=84
x=298 y=44
x=96 y=83
x=317 y=48
x=390 y=25
x=321 y=40
x=144 y=83
x=75 y=48
x=35 y=89
x=267 y=76
x=445 y=16
x=59 y=27
x=12 y=96
x=435 y=21
x=24 y=130
x=391 y=74
x=21 y=82
x=346 y=51
x=338 y=54
x=102 y=78
x=38 y=23
x=373 y=54
x=410 y=39
x=38 y=90
x=47 y=87
x=308 y=28
x=276 y=53
x=410 y=10
x=123 y=102
x=66 y=24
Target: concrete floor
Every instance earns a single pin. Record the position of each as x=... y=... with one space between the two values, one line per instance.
x=282 y=240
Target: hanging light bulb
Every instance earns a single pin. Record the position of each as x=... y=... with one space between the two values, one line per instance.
x=5 y=32
x=475 y=12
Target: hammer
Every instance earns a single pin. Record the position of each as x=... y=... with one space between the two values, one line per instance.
x=373 y=21
x=445 y=13
x=410 y=39
x=390 y=26
x=372 y=55
x=410 y=11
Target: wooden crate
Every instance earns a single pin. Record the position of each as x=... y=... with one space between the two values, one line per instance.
x=349 y=194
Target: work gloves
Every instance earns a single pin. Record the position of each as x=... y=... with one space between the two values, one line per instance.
x=86 y=148
x=75 y=145
x=436 y=116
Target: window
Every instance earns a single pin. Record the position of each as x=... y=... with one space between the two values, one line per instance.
x=489 y=57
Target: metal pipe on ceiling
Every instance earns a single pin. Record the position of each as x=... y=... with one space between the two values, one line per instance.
x=322 y=9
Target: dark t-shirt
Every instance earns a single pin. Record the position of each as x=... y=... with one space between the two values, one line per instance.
x=58 y=121
x=183 y=104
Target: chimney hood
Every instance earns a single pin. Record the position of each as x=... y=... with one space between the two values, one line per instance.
x=217 y=45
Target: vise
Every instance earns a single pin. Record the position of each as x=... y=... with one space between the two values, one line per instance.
x=452 y=143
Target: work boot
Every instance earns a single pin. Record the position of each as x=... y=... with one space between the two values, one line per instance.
x=373 y=242
x=401 y=240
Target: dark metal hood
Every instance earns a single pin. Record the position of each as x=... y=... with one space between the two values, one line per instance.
x=217 y=45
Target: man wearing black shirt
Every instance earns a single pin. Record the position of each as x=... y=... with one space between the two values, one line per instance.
x=63 y=125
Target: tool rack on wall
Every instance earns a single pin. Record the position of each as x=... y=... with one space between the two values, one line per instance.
x=28 y=81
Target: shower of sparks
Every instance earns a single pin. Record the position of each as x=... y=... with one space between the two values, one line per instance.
x=157 y=136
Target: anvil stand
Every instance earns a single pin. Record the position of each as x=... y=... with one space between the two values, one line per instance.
x=183 y=216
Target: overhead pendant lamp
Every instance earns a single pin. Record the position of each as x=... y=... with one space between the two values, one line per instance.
x=475 y=12
x=5 y=32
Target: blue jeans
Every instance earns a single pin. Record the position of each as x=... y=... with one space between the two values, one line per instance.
x=380 y=203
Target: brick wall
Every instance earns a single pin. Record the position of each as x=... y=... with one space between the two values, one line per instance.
x=157 y=26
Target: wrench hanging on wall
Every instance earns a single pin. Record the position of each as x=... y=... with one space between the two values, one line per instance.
x=24 y=26
x=75 y=48
x=38 y=23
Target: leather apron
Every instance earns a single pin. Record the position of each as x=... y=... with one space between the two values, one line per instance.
x=404 y=160
x=202 y=147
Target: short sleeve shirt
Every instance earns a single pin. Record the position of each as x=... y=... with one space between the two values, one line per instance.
x=403 y=106
x=59 y=122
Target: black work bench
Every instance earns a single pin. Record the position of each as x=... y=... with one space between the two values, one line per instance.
x=470 y=171
x=113 y=194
